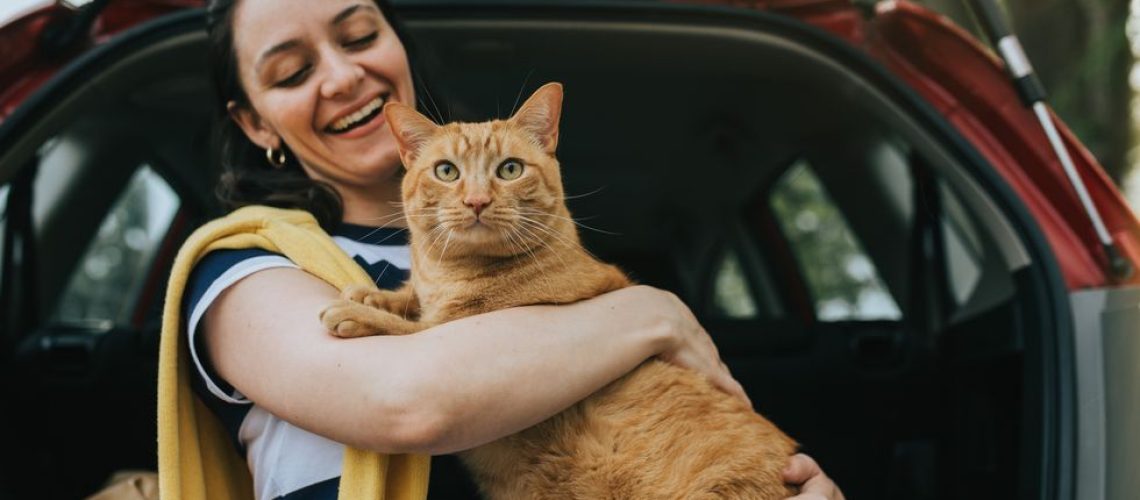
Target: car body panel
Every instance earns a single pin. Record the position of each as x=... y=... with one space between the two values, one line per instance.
x=938 y=60
x=1108 y=380
x=927 y=79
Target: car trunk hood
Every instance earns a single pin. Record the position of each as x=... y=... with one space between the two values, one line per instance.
x=969 y=87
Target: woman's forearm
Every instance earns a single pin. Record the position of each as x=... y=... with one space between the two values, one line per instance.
x=491 y=375
x=448 y=388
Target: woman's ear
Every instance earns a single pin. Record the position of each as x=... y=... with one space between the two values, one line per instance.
x=253 y=126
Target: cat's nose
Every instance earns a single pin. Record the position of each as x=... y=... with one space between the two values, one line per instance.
x=477 y=203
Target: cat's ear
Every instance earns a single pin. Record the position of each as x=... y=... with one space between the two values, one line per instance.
x=539 y=115
x=411 y=129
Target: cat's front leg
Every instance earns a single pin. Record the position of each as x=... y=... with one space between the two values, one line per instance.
x=349 y=319
x=401 y=301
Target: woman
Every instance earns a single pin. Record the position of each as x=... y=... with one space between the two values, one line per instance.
x=303 y=84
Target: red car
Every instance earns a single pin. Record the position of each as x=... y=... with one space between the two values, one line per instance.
x=850 y=195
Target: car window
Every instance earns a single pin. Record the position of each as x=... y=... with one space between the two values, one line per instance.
x=109 y=277
x=842 y=279
x=964 y=250
x=3 y=222
x=732 y=295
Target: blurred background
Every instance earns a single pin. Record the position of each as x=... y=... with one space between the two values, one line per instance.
x=1086 y=52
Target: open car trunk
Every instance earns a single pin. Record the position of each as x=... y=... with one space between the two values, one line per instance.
x=878 y=290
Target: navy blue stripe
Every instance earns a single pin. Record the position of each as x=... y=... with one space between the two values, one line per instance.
x=385 y=274
x=205 y=273
x=324 y=490
x=231 y=415
x=214 y=265
x=387 y=236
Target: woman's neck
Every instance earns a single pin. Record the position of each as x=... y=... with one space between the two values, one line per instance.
x=376 y=206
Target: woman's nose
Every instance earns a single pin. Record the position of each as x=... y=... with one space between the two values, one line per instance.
x=342 y=76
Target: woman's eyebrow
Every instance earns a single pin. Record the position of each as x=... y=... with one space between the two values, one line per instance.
x=346 y=13
x=289 y=44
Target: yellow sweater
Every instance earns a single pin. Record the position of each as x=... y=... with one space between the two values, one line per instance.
x=195 y=457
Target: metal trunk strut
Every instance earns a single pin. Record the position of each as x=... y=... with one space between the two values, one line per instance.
x=1032 y=94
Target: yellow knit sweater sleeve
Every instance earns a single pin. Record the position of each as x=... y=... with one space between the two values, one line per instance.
x=195 y=457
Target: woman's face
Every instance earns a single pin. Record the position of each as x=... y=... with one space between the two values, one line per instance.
x=317 y=74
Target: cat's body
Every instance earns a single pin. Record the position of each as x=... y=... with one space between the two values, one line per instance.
x=660 y=432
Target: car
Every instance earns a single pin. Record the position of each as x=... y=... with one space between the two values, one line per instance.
x=849 y=195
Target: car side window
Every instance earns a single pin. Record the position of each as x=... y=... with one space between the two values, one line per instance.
x=964 y=252
x=3 y=221
x=109 y=277
x=841 y=278
x=732 y=296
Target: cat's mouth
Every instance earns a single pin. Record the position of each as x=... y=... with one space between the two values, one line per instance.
x=477 y=223
x=360 y=117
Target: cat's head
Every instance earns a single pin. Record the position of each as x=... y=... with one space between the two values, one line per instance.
x=488 y=189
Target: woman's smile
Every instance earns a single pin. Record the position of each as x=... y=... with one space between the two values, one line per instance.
x=319 y=85
x=353 y=120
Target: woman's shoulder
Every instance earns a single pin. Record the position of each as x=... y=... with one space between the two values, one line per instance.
x=219 y=269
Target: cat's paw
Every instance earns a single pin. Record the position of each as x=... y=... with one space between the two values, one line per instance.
x=342 y=319
x=365 y=294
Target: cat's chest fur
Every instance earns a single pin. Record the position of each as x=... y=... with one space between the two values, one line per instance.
x=451 y=290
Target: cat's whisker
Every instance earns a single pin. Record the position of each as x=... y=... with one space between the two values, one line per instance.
x=571 y=219
x=546 y=230
x=382 y=271
x=521 y=88
x=545 y=242
x=374 y=231
x=426 y=91
x=390 y=236
x=534 y=256
x=439 y=231
x=386 y=219
x=556 y=234
x=506 y=231
x=576 y=196
x=550 y=233
x=444 y=251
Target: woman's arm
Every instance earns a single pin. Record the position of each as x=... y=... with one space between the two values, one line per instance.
x=448 y=388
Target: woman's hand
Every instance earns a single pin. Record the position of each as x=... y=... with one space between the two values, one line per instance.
x=690 y=345
x=802 y=471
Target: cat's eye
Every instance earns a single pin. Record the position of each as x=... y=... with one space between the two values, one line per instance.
x=446 y=172
x=510 y=170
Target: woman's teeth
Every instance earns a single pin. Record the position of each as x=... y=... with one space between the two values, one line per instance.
x=361 y=116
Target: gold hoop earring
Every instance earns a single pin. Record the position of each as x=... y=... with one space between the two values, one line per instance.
x=276 y=159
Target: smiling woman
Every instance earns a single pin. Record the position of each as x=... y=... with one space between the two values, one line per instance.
x=970 y=394
x=320 y=89
x=302 y=128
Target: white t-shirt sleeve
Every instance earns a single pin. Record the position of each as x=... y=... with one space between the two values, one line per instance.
x=226 y=279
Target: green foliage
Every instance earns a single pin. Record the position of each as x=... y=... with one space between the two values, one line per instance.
x=842 y=279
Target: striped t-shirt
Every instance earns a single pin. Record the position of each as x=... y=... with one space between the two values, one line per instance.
x=286 y=461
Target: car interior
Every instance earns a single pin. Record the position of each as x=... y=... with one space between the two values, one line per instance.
x=878 y=297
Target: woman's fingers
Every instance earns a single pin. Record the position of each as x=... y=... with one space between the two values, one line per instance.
x=733 y=387
x=803 y=471
x=694 y=349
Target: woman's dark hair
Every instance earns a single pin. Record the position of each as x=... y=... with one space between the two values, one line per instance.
x=247 y=177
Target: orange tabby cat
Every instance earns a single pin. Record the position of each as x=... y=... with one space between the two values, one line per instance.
x=489 y=230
